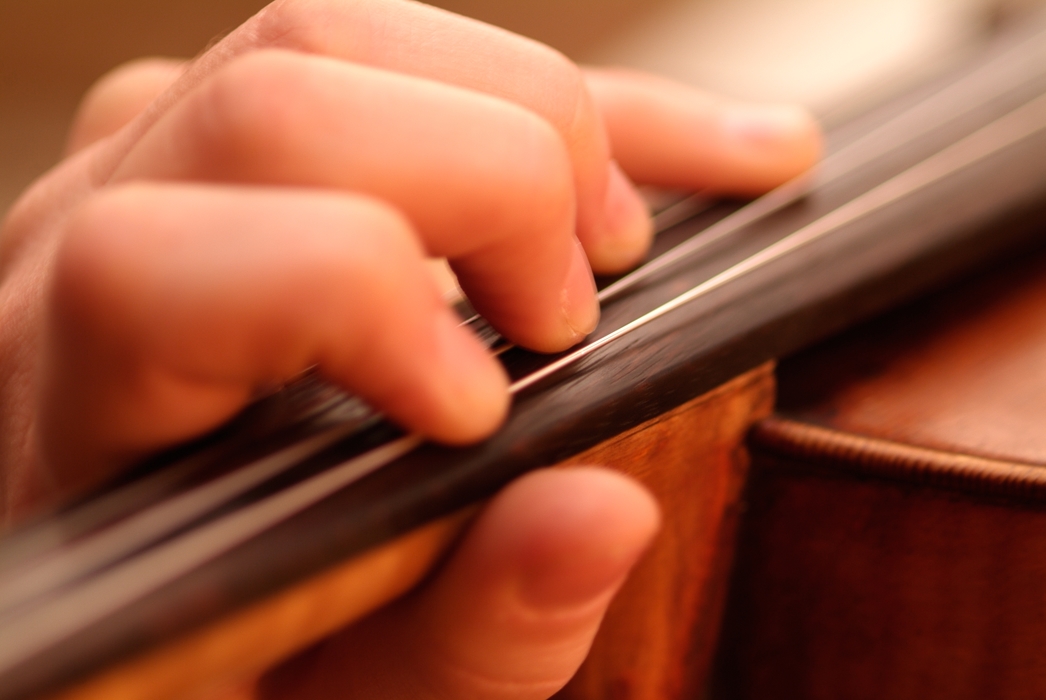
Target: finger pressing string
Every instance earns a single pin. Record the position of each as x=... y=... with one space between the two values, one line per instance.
x=156 y=339
x=486 y=183
x=668 y=134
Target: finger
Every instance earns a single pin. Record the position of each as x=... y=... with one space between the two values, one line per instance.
x=118 y=97
x=416 y=39
x=664 y=133
x=514 y=612
x=487 y=184
x=156 y=338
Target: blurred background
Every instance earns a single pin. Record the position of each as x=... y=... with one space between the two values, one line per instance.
x=832 y=55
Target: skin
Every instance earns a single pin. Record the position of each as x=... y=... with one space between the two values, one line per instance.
x=222 y=225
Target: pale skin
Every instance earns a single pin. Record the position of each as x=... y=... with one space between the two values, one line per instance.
x=220 y=226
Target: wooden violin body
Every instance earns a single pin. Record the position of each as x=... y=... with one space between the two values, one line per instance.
x=310 y=512
x=895 y=533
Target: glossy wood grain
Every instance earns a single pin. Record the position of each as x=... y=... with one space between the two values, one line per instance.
x=662 y=628
x=895 y=540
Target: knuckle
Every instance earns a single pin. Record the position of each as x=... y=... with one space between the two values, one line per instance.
x=88 y=269
x=280 y=24
x=299 y=24
x=254 y=100
x=353 y=242
x=20 y=226
x=103 y=223
x=90 y=223
x=394 y=229
x=548 y=177
x=565 y=84
x=392 y=247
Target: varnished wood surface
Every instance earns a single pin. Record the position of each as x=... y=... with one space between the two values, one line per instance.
x=859 y=589
x=691 y=458
x=963 y=371
x=657 y=640
x=895 y=541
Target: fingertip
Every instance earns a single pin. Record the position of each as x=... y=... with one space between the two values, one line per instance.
x=668 y=134
x=580 y=304
x=581 y=530
x=785 y=139
x=518 y=604
x=768 y=126
x=558 y=311
x=473 y=395
x=628 y=230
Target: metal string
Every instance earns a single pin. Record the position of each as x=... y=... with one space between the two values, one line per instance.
x=994 y=79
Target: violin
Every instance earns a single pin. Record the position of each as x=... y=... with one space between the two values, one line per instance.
x=894 y=526
x=209 y=564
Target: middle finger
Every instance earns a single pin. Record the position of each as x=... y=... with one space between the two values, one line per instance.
x=487 y=183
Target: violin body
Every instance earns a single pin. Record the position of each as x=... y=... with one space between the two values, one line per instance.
x=894 y=542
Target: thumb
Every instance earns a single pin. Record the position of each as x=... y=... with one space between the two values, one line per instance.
x=514 y=612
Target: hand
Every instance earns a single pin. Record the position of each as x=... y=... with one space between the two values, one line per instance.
x=511 y=615
x=272 y=209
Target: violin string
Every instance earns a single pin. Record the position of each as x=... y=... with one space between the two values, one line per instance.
x=997 y=76
x=684 y=209
x=24 y=634
x=1007 y=72
x=72 y=562
x=28 y=634
x=1006 y=131
x=69 y=563
x=952 y=100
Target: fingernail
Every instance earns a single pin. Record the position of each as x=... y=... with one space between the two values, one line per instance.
x=566 y=586
x=765 y=125
x=580 y=305
x=628 y=229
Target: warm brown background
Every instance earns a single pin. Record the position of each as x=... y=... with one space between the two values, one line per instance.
x=812 y=51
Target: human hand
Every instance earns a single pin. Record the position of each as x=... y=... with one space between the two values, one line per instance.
x=272 y=210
